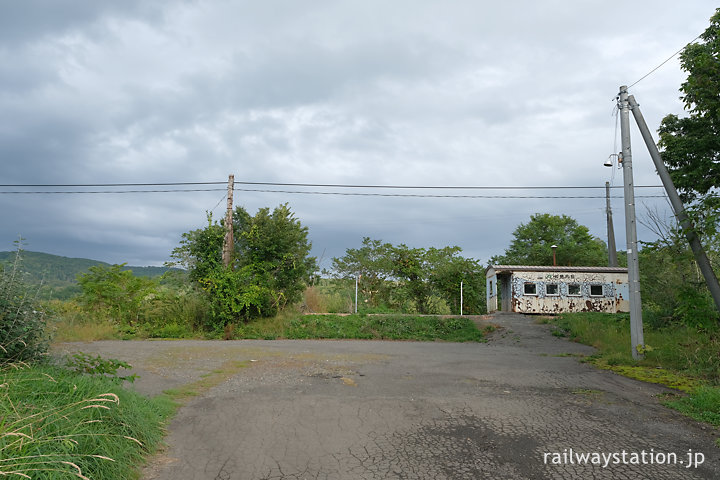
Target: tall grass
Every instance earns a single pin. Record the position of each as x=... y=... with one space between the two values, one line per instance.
x=328 y=298
x=71 y=323
x=56 y=424
x=693 y=351
x=679 y=356
x=167 y=314
x=22 y=318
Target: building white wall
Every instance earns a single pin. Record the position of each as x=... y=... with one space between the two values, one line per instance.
x=613 y=287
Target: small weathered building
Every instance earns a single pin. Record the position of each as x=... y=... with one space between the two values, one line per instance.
x=552 y=290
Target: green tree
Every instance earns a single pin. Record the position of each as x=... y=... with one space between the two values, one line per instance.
x=410 y=267
x=532 y=243
x=690 y=146
x=371 y=265
x=447 y=269
x=270 y=268
x=200 y=251
x=115 y=292
x=415 y=279
x=274 y=248
x=673 y=289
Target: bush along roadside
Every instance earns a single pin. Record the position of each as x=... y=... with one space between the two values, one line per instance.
x=678 y=356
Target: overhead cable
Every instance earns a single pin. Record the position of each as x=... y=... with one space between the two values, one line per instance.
x=298 y=192
x=663 y=63
x=314 y=185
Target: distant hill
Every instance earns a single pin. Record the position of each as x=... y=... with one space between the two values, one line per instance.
x=58 y=275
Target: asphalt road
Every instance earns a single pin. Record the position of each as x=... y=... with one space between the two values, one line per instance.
x=518 y=407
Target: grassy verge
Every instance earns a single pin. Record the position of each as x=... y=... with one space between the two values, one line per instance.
x=292 y=325
x=58 y=424
x=91 y=330
x=368 y=327
x=680 y=357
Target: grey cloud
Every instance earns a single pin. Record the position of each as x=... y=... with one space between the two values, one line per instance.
x=372 y=92
x=32 y=20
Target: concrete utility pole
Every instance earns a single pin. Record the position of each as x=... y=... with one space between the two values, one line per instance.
x=636 y=325
x=687 y=226
x=229 y=241
x=612 y=249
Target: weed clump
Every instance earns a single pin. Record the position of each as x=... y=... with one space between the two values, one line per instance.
x=60 y=424
x=22 y=319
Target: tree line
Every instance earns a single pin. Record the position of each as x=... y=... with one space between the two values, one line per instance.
x=414 y=279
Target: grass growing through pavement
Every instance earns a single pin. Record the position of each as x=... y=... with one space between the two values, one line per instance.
x=207 y=381
x=58 y=424
x=679 y=356
x=369 y=327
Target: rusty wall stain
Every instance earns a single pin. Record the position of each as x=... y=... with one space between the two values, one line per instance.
x=613 y=299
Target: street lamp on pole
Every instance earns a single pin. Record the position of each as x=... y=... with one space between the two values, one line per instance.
x=554 y=247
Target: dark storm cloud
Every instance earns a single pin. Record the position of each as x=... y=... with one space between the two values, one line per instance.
x=406 y=92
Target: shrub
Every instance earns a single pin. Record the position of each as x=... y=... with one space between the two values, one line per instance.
x=237 y=295
x=116 y=293
x=22 y=319
x=85 y=363
x=180 y=306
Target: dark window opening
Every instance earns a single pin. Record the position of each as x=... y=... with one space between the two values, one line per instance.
x=530 y=289
x=551 y=289
x=574 y=289
x=596 y=290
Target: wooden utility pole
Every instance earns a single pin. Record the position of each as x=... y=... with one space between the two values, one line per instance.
x=229 y=242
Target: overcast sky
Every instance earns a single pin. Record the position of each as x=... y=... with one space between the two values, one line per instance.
x=420 y=93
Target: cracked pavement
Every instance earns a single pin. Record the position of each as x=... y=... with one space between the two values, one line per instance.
x=302 y=409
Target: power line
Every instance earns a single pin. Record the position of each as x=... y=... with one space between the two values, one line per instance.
x=57 y=192
x=110 y=184
x=663 y=63
x=313 y=185
x=357 y=194
x=297 y=192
